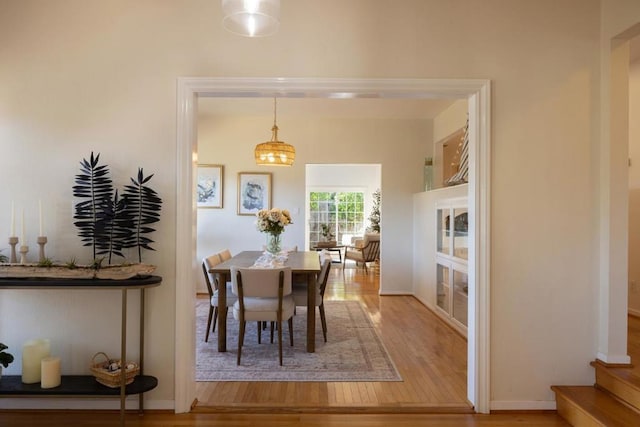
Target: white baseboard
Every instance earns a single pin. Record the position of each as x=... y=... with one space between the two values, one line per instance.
x=621 y=359
x=523 y=405
x=84 y=403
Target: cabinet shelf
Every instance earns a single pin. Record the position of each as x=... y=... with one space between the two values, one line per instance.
x=74 y=385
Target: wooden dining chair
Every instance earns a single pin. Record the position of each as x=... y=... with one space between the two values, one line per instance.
x=264 y=295
x=212 y=287
x=300 y=293
x=368 y=251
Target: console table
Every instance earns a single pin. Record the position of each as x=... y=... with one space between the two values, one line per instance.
x=86 y=385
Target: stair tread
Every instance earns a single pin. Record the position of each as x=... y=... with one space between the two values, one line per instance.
x=622 y=373
x=600 y=405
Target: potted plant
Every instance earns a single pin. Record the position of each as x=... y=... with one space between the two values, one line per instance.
x=326 y=232
x=5 y=358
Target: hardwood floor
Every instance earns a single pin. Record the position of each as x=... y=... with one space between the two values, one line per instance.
x=430 y=356
x=156 y=419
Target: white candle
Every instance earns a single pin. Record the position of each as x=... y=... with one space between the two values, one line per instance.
x=33 y=351
x=40 y=211
x=50 y=369
x=13 y=219
x=22 y=241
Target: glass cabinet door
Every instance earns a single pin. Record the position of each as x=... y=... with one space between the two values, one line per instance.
x=443 y=231
x=460 y=233
x=460 y=296
x=443 y=288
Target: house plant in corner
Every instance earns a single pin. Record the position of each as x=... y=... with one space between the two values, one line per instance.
x=5 y=358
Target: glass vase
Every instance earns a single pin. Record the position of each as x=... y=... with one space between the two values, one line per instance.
x=274 y=243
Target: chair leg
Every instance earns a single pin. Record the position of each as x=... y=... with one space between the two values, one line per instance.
x=241 y=339
x=259 y=332
x=272 y=323
x=323 y=319
x=215 y=319
x=280 y=341
x=291 y=331
x=206 y=337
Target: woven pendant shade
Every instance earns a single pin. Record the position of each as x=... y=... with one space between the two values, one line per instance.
x=274 y=152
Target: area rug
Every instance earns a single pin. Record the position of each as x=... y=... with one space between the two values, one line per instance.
x=354 y=351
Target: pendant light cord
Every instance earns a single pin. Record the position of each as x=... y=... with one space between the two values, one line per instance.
x=275 y=107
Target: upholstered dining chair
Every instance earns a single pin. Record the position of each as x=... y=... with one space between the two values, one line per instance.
x=367 y=251
x=300 y=293
x=264 y=295
x=225 y=255
x=212 y=287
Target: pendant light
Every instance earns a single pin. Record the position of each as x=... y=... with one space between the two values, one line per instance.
x=274 y=152
x=251 y=18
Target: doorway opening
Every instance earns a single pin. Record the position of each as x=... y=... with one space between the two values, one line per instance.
x=477 y=91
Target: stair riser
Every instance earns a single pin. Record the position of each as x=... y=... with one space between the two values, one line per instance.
x=621 y=389
x=574 y=414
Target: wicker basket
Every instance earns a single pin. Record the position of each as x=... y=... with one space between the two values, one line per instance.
x=100 y=369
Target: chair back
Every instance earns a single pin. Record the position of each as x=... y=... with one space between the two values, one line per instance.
x=324 y=275
x=260 y=282
x=225 y=255
x=371 y=250
x=207 y=264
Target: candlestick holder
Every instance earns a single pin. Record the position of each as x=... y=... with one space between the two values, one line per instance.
x=13 y=241
x=42 y=240
x=23 y=254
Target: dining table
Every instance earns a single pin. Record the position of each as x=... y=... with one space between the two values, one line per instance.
x=303 y=264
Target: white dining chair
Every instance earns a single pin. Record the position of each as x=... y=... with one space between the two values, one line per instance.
x=300 y=293
x=264 y=295
x=212 y=287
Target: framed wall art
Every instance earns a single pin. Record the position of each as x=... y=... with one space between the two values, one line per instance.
x=254 y=192
x=209 y=185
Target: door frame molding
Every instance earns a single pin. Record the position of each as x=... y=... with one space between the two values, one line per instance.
x=477 y=91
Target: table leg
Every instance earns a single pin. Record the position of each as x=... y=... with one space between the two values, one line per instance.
x=222 y=312
x=311 y=313
x=141 y=364
x=123 y=356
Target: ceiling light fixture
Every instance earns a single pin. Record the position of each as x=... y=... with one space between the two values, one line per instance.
x=274 y=152
x=251 y=18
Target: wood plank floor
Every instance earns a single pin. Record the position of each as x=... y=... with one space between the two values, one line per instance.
x=430 y=356
x=155 y=419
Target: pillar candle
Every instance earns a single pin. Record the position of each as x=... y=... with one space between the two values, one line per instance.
x=13 y=220
x=22 y=241
x=50 y=369
x=33 y=351
x=40 y=211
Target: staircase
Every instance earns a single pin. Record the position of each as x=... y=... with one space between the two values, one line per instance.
x=613 y=401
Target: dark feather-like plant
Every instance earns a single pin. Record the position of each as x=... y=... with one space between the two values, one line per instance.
x=94 y=186
x=143 y=207
x=115 y=227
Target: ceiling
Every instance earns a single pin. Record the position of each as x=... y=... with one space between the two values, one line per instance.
x=390 y=108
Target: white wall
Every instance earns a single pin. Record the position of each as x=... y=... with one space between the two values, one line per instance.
x=230 y=141
x=101 y=76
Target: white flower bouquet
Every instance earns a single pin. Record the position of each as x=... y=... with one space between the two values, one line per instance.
x=273 y=221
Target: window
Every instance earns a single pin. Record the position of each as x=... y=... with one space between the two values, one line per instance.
x=343 y=212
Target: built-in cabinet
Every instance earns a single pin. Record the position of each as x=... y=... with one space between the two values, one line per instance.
x=452 y=243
